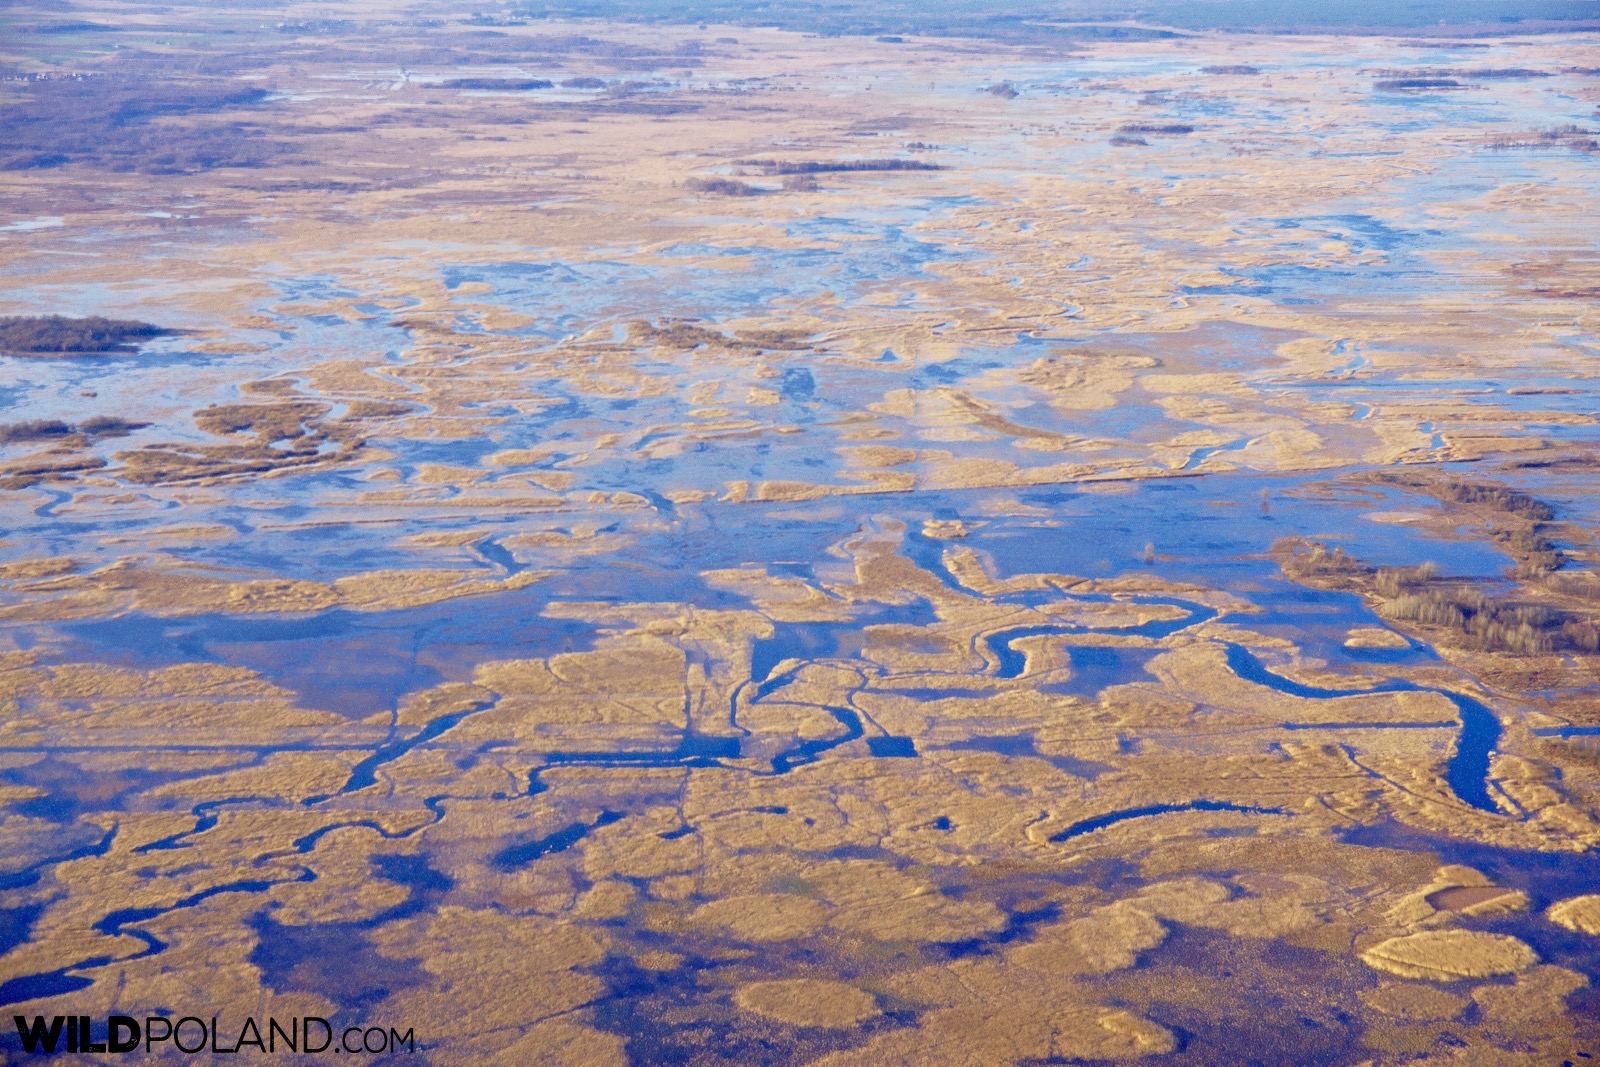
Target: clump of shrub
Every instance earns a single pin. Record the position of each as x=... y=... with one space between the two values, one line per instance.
x=1457 y=490
x=1318 y=562
x=1472 y=73
x=104 y=121
x=834 y=166
x=1569 y=135
x=721 y=187
x=109 y=426
x=1164 y=129
x=1579 y=585
x=1405 y=85
x=1391 y=582
x=684 y=334
x=1523 y=629
x=1479 y=620
x=1503 y=72
x=1516 y=519
x=32 y=430
x=12 y=433
x=57 y=334
x=503 y=84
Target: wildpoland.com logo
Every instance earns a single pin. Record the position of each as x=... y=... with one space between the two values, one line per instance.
x=192 y=1035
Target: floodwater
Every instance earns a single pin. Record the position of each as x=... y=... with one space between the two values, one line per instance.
x=867 y=536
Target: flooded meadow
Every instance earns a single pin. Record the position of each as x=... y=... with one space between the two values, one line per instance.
x=634 y=571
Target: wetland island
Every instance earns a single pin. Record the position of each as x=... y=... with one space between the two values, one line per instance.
x=616 y=533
